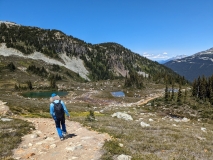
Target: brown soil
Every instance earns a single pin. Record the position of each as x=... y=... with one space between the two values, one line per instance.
x=44 y=144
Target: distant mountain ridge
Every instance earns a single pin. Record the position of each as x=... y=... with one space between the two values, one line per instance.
x=173 y=58
x=99 y=61
x=192 y=67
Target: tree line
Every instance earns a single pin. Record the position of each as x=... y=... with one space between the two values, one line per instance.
x=202 y=88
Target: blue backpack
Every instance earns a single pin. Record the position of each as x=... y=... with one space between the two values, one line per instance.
x=59 y=110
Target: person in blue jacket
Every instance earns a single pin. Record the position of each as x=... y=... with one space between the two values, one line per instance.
x=60 y=123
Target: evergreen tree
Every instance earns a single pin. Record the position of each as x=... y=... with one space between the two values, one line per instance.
x=11 y=66
x=16 y=87
x=179 y=97
x=185 y=95
x=29 y=84
x=195 y=88
x=166 y=93
x=211 y=97
x=53 y=83
x=173 y=93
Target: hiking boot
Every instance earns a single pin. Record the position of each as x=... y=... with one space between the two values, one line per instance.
x=64 y=134
x=62 y=138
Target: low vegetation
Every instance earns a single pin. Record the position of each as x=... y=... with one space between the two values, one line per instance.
x=167 y=137
x=10 y=135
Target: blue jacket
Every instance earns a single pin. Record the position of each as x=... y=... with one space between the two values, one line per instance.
x=52 y=112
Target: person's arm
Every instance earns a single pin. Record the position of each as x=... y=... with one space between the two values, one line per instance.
x=65 y=109
x=52 y=110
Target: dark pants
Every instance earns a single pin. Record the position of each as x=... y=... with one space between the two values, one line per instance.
x=60 y=126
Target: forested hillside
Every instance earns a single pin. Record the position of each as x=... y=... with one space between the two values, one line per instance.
x=103 y=61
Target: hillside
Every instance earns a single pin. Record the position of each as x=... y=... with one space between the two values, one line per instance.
x=152 y=121
x=91 y=61
x=194 y=66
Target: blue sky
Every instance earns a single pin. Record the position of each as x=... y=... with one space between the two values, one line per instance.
x=157 y=29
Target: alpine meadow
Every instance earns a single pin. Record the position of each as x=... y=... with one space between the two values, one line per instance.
x=159 y=116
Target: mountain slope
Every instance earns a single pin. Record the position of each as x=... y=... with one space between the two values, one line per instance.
x=171 y=59
x=194 y=66
x=92 y=62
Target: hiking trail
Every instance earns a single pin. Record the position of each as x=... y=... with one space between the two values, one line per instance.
x=43 y=143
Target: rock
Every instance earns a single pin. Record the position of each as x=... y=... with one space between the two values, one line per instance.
x=24 y=147
x=151 y=120
x=124 y=157
x=29 y=155
x=74 y=147
x=143 y=124
x=34 y=136
x=53 y=146
x=38 y=132
x=185 y=119
x=6 y=119
x=122 y=115
x=39 y=143
x=50 y=139
x=203 y=129
x=120 y=144
x=30 y=144
x=200 y=138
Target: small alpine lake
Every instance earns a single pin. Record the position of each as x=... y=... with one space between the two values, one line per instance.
x=43 y=94
x=118 y=94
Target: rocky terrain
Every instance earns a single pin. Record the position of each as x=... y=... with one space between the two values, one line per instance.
x=43 y=143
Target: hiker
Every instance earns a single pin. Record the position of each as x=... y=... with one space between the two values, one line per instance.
x=57 y=110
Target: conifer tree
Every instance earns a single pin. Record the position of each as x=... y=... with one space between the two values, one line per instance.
x=29 y=84
x=185 y=95
x=211 y=97
x=173 y=94
x=179 y=97
x=11 y=66
x=16 y=87
x=194 y=88
x=166 y=93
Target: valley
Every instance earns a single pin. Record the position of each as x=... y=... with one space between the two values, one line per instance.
x=160 y=116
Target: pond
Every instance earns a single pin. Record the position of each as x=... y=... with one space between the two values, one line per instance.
x=118 y=94
x=44 y=94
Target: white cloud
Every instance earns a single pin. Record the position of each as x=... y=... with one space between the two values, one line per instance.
x=157 y=56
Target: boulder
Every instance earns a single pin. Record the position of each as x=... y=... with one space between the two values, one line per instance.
x=124 y=157
x=122 y=115
x=143 y=124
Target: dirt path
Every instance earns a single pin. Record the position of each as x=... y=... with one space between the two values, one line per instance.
x=144 y=101
x=44 y=143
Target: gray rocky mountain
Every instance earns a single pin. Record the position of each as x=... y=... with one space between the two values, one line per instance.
x=194 y=66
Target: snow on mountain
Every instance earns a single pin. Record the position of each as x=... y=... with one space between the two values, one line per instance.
x=192 y=67
x=173 y=58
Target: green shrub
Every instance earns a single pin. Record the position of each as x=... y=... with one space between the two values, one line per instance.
x=10 y=135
